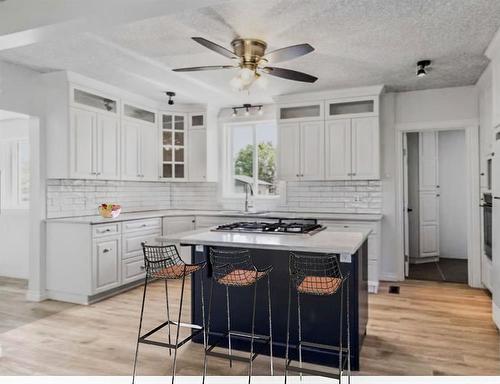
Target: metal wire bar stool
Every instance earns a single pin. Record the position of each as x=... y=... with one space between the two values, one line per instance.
x=318 y=275
x=234 y=268
x=163 y=262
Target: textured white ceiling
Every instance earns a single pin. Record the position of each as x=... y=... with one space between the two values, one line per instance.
x=358 y=43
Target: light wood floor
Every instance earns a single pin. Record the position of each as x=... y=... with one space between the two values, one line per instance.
x=428 y=329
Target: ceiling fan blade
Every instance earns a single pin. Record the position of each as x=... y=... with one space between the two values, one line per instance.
x=205 y=68
x=215 y=47
x=288 y=53
x=289 y=74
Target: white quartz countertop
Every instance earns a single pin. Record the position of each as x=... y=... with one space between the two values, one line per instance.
x=222 y=213
x=326 y=241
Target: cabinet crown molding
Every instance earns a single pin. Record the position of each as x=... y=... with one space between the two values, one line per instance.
x=330 y=94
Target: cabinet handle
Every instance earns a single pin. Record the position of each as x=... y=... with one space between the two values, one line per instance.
x=104 y=230
x=105 y=250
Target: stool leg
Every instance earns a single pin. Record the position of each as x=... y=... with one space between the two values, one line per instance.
x=168 y=317
x=348 y=337
x=270 y=324
x=288 y=327
x=203 y=312
x=300 y=333
x=208 y=329
x=178 y=328
x=228 y=325
x=253 y=330
x=341 y=330
x=140 y=327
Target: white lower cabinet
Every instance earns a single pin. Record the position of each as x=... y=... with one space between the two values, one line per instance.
x=133 y=269
x=374 y=247
x=106 y=268
x=173 y=225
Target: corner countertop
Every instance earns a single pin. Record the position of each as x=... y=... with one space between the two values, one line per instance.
x=221 y=213
x=326 y=241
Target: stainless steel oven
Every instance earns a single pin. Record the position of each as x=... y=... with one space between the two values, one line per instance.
x=487 y=223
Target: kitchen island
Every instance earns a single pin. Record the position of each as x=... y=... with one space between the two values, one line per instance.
x=319 y=314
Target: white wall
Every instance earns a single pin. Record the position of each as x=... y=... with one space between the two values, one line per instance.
x=452 y=203
x=14 y=223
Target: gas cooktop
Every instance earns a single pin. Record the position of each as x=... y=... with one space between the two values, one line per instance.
x=281 y=226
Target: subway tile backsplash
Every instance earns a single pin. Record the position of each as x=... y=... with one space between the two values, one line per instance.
x=66 y=198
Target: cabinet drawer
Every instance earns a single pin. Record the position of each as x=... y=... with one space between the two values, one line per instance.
x=141 y=225
x=132 y=242
x=105 y=230
x=133 y=269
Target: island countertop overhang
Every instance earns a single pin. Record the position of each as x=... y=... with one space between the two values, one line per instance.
x=327 y=241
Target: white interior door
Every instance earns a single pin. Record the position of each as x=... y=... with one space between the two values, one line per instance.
x=429 y=195
x=108 y=147
x=365 y=148
x=338 y=149
x=289 y=151
x=406 y=207
x=312 y=150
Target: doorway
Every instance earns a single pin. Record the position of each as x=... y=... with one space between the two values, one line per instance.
x=435 y=201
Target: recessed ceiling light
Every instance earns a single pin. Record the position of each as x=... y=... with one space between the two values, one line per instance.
x=422 y=68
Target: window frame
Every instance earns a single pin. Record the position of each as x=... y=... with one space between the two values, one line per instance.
x=11 y=197
x=228 y=179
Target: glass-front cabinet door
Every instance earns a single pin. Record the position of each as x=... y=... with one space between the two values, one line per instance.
x=173 y=146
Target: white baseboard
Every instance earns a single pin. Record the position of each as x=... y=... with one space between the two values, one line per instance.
x=389 y=277
x=68 y=297
x=372 y=286
x=496 y=314
x=36 y=296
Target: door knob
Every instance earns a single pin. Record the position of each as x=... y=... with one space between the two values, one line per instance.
x=409 y=209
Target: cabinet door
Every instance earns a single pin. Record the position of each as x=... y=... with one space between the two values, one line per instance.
x=428 y=161
x=106 y=264
x=312 y=150
x=338 y=149
x=149 y=153
x=108 y=147
x=131 y=136
x=82 y=137
x=173 y=225
x=197 y=155
x=289 y=151
x=365 y=148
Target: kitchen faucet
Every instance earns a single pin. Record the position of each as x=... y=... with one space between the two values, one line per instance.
x=247 y=205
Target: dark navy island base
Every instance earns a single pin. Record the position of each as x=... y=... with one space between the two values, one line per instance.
x=320 y=314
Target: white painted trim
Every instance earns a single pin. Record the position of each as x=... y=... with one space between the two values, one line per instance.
x=373 y=286
x=389 y=277
x=330 y=94
x=471 y=128
x=436 y=126
x=496 y=314
x=36 y=283
x=68 y=297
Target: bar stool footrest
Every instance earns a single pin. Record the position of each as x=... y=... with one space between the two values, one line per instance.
x=315 y=346
x=197 y=330
x=264 y=340
x=312 y=372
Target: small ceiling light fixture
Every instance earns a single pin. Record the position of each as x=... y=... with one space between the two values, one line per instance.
x=170 y=95
x=422 y=68
x=248 y=109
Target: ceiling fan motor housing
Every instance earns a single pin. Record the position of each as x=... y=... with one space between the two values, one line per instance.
x=250 y=51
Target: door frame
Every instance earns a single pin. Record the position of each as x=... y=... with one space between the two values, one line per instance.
x=471 y=128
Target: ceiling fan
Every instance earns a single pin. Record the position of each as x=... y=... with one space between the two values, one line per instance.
x=253 y=59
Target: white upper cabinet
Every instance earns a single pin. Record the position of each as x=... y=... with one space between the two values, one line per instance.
x=334 y=139
x=301 y=111
x=338 y=149
x=365 y=148
x=197 y=155
x=312 y=155
x=173 y=146
x=139 y=143
x=289 y=151
x=108 y=147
